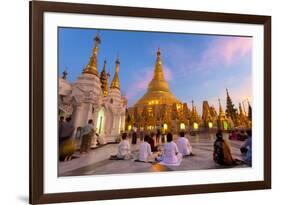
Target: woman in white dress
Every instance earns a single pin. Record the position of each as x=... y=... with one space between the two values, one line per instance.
x=171 y=153
x=183 y=145
x=145 y=150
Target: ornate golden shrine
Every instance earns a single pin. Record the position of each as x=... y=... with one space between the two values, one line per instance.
x=159 y=109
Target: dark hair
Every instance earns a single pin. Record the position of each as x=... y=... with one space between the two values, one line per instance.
x=182 y=134
x=249 y=132
x=90 y=121
x=219 y=134
x=62 y=117
x=146 y=138
x=68 y=119
x=169 y=137
x=124 y=135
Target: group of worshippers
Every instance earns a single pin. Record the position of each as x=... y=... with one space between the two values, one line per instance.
x=222 y=153
x=68 y=144
x=171 y=153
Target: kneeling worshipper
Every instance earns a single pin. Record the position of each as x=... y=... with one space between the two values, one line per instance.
x=222 y=154
x=145 y=152
x=171 y=155
x=183 y=145
x=124 y=149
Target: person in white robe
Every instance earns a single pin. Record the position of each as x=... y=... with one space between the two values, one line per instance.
x=124 y=148
x=171 y=155
x=145 y=152
x=183 y=145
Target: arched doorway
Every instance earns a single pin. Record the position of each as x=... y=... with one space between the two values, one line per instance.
x=100 y=121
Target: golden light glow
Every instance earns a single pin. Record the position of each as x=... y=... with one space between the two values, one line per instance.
x=129 y=127
x=182 y=126
x=210 y=124
x=165 y=126
x=195 y=125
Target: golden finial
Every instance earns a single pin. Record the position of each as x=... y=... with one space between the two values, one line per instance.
x=158 y=52
x=91 y=68
x=220 y=107
x=115 y=81
x=64 y=74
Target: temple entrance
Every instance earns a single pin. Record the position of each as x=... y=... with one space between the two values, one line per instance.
x=100 y=122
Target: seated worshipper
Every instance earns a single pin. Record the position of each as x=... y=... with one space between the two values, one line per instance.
x=171 y=154
x=183 y=145
x=124 y=149
x=246 y=148
x=87 y=134
x=145 y=150
x=233 y=135
x=222 y=154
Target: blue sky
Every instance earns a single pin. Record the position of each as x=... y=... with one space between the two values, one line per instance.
x=197 y=67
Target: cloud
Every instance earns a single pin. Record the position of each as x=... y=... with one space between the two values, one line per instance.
x=226 y=51
x=221 y=52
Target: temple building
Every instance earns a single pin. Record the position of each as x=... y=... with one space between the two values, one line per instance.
x=91 y=97
x=158 y=108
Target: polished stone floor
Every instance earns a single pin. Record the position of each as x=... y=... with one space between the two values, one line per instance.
x=97 y=161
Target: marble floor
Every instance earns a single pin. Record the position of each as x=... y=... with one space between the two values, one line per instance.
x=97 y=162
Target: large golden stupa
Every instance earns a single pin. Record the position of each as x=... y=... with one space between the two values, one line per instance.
x=160 y=109
x=158 y=91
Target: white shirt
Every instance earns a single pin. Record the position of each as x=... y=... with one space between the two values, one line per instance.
x=145 y=151
x=184 y=146
x=123 y=149
x=87 y=129
x=170 y=151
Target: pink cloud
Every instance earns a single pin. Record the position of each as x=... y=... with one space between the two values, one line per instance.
x=227 y=51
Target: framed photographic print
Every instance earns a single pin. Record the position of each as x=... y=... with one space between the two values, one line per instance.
x=139 y=102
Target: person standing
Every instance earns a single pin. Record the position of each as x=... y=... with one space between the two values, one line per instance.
x=158 y=133
x=66 y=144
x=87 y=134
x=66 y=130
x=134 y=137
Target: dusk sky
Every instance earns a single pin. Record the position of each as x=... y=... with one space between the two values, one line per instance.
x=197 y=67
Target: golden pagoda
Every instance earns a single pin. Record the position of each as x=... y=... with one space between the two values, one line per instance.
x=207 y=118
x=103 y=79
x=115 y=81
x=92 y=68
x=222 y=121
x=158 y=91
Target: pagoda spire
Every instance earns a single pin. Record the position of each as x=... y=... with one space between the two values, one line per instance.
x=158 y=70
x=241 y=110
x=221 y=112
x=158 y=88
x=115 y=81
x=231 y=111
x=249 y=111
x=91 y=68
x=104 y=79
